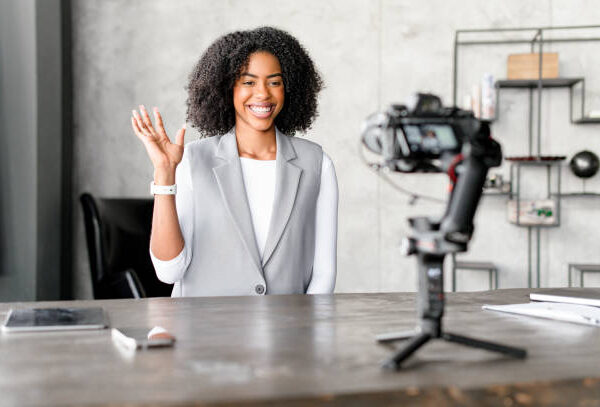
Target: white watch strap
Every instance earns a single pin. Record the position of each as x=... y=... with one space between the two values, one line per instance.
x=163 y=189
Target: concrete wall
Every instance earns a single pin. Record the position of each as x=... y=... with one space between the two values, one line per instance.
x=18 y=132
x=31 y=153
x=370 y=53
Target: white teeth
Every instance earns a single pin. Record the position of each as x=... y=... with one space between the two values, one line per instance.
x=260 y=109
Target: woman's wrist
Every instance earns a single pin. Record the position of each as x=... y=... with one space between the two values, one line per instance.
x=164 y=176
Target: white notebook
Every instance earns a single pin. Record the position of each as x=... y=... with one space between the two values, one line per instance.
x=579 y=314
x=569 y=296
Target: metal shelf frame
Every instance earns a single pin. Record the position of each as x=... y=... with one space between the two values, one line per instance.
x=515 y=194
x=538 y=37
x=548 y=83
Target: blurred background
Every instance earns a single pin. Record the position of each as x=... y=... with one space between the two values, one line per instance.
x=72 y=71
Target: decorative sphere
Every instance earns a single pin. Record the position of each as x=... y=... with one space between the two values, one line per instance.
x=584 y=164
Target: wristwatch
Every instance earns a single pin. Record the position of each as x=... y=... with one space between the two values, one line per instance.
x=163 y=189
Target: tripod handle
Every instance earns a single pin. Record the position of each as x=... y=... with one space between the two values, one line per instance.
x=485 y=152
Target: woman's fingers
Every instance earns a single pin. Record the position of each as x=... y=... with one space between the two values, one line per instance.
x=162 y=153
x=141 y=125
x=180 y=136
x=147 y=121
x=159 y=124
x=136 y=129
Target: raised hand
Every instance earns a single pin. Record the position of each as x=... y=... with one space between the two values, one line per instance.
x=166 y=238
x=165 y=156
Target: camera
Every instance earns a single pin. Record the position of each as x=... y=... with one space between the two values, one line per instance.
x=421 y=136
x=424 y=136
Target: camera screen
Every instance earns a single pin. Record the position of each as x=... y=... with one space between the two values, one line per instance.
x=430 y=138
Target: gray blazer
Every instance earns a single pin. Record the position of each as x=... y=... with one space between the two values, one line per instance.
x=224 y=258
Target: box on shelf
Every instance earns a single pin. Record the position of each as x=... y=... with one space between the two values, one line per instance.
x=531 y=213
x=527 y=66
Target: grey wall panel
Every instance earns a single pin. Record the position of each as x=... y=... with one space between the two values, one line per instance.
x=18 y=132
x=30 y=157
x=49 y=148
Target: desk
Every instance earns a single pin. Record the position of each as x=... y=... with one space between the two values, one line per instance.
x=301 y=350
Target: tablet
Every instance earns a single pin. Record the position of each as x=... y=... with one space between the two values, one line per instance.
x=52 y=319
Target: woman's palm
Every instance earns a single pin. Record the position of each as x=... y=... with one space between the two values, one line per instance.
x=162 y=153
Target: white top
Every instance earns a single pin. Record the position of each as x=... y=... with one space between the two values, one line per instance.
x=259 y=180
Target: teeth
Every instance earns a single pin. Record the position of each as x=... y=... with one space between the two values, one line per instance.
x=260 y=109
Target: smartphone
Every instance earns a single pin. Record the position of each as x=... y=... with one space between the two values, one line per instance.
x=142 y=338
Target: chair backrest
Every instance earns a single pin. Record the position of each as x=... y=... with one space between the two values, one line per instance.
x=93 y=234
x=118 y=237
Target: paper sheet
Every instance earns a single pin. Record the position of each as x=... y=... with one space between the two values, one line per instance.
x=580 y=314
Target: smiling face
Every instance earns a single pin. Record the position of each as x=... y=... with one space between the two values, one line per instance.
x=258 y=94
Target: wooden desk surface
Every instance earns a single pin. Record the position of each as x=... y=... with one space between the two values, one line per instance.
x=300 y=350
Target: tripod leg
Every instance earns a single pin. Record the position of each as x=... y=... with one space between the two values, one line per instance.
x=411 y=347
x=395 y=336
x=491 y=346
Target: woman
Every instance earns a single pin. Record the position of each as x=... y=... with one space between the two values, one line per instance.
x=255 y=210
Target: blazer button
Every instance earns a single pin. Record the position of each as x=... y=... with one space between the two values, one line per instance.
x=260 y=289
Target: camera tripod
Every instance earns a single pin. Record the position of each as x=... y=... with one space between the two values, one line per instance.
x=431 y=306
x=431 y=242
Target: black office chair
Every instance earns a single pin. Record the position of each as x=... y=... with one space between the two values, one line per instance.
x=118 y=238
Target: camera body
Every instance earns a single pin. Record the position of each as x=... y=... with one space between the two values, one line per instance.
x=426 y=137
x=422 y=136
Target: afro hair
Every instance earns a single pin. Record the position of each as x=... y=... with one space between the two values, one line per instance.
x=210 y=90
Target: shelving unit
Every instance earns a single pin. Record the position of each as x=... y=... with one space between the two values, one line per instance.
x=515 y=181
x=536 y=41
x=549 y=83
x=586 y=120
x=515 y=168
x=581 y=194
x=533 y=83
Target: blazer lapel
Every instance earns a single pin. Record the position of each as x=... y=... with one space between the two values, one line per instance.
x=287 y=179
x=231 y=185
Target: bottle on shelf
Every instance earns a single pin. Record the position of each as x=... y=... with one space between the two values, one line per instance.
x=476 y=100
x=488 y=97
